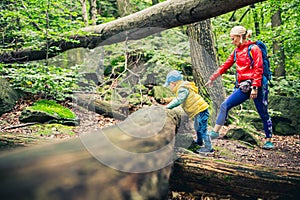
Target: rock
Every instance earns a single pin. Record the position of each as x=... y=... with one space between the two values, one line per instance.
x=28 y=115
x=8 y=96
x=243 y=135
x=284 y=111
x=287 y=121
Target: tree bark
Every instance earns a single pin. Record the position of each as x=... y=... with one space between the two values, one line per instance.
x=124 y=7
x=255 y=19
x=196 y=174
x=93 y=11
x=131 y=160
x=84 y=13
x=139 y=25
x=204 y=63
x=277 y=49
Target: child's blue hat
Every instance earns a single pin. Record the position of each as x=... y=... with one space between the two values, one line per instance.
x=173 y=76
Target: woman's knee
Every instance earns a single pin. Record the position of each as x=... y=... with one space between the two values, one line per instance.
x=223 y=107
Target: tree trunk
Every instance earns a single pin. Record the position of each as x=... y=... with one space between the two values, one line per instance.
x=204 y=61
x=196 y=174
x=93 y=11
x=84 y=13
x=131 y=160
x=138 y=25
x=277 y=49
x=124 y=7
x=255 y=19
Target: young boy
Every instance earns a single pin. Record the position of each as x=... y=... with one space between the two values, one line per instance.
x=193 y=104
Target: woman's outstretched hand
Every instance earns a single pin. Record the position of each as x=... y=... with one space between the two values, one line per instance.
x=209 y=83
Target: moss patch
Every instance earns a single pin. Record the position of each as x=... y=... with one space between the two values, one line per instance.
x=53 y=108
x=52 y=129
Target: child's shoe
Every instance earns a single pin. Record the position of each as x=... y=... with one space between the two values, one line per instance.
x=194 y=146
x=205 y=150
x=214 y=135
x=268 y=145
x=207 y=146
x=199 y=141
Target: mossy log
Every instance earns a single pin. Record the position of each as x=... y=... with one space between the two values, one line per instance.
x=197 y=174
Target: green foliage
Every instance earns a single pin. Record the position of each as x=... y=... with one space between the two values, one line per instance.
x=159 y=54
x=30 y=23
x=53 y=82
x=53 y=108
x=108 y=9
x=286 y=86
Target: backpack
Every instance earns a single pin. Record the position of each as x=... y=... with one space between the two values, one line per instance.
x=266 y=63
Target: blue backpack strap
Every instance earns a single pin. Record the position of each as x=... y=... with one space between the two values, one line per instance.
x=234 y=57
x=250 y=55
x=236 y=75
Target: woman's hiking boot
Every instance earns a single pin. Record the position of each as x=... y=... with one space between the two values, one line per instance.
x=268 y=145
x=214 y=135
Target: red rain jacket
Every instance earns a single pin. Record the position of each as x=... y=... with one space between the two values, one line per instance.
x=243 y=64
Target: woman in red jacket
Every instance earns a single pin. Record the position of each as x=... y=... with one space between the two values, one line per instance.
x=250 y=82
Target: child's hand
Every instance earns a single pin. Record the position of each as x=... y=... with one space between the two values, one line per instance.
x=167 y=100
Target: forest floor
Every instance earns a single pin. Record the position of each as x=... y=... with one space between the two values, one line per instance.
x=285 y=155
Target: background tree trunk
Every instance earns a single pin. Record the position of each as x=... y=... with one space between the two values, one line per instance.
x=124 y=7
x=84 y=13
x=93 y=11
x=277 y=50
x=204 y=61
x=255 y=19
x=138 y=25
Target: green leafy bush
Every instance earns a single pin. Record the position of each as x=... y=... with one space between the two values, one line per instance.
x=285 y=86
x=49 y=81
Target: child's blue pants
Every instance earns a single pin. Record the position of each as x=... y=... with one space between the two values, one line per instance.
x=200 y=124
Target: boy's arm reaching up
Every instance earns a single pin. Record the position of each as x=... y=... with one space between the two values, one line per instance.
x=182 y=95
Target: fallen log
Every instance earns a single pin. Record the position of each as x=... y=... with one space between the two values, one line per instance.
x=131 y=160
x=195 y=174
x=162 y=16
x=107 y=109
